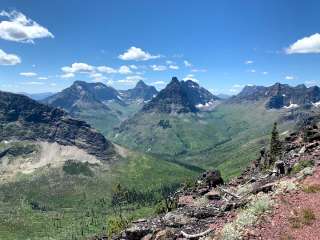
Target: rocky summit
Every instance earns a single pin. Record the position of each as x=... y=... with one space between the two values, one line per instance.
x=280 y=95
x=82 y=95
x=180 y=97
x=141 y=92
x=22 y=118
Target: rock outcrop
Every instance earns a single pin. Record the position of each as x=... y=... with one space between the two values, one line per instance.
x=22 y=118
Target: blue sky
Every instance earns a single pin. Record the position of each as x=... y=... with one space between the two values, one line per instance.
x=224 y=45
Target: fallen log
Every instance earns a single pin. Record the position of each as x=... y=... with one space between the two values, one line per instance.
x=190 y=236
x=228 y=192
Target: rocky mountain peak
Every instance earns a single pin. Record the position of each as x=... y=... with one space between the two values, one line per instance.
x=141 y=84
x=180 y=96
x=141 y=92
x=82 y=95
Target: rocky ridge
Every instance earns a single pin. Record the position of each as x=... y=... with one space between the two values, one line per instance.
x=22 y=118
x=280 y=95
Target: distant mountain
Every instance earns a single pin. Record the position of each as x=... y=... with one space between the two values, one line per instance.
x=180 y=97
x=38 y=96
x=22 y=118
x=223 y=96
x=280 y=95
x=141 y=92
x=82 y=95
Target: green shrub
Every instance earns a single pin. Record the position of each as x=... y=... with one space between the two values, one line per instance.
x=115 y=225
x=301 y=165
x=230 y=232
x=160 y=207
x=73 y=167
x=246 y=217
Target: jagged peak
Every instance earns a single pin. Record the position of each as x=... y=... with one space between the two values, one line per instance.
x=141 y=84
x=174 y=80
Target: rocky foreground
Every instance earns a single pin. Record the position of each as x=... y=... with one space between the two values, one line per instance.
x=275 y=200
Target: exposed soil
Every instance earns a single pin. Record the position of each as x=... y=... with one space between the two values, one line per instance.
x=296 y=215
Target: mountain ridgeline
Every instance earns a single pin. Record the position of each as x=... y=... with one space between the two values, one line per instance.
x=82 y=95
x=280 y=95
x=22 y=118
x=180 y=97
x=141 y=92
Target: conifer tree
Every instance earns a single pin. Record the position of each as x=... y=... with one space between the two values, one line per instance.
x=275 y=145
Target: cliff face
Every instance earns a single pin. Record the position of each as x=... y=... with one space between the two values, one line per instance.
x=22 y=118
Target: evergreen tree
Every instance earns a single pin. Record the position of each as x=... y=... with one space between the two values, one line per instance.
x=275 y=145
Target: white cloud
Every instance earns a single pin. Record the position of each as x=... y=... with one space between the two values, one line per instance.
x=158 y=83
x=78 y=68
x=28 y=74
x=8 y=59
x=67 y=75
x=137 y=54
x=158 y=67
x=43 y=78
x=130 y=80
x=248 y=62
x=252 y=70
x=199 y=70
x=109 y=82
x=264 y=73
x=311 y=83
x=190 y=77
x=309 y=44
x=53 y=84
x=19 y=28
x=174 y=67
x=187 y=64
x=97 y=77
x=289 y=77
x=133 y=67
x=169 y=62
x=34 y=83
x=106 y=69
x=233 y=90
x=237 y=86
x=124 y=70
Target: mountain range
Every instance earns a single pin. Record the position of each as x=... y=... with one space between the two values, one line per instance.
x=52 y=156
x=280 y=95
